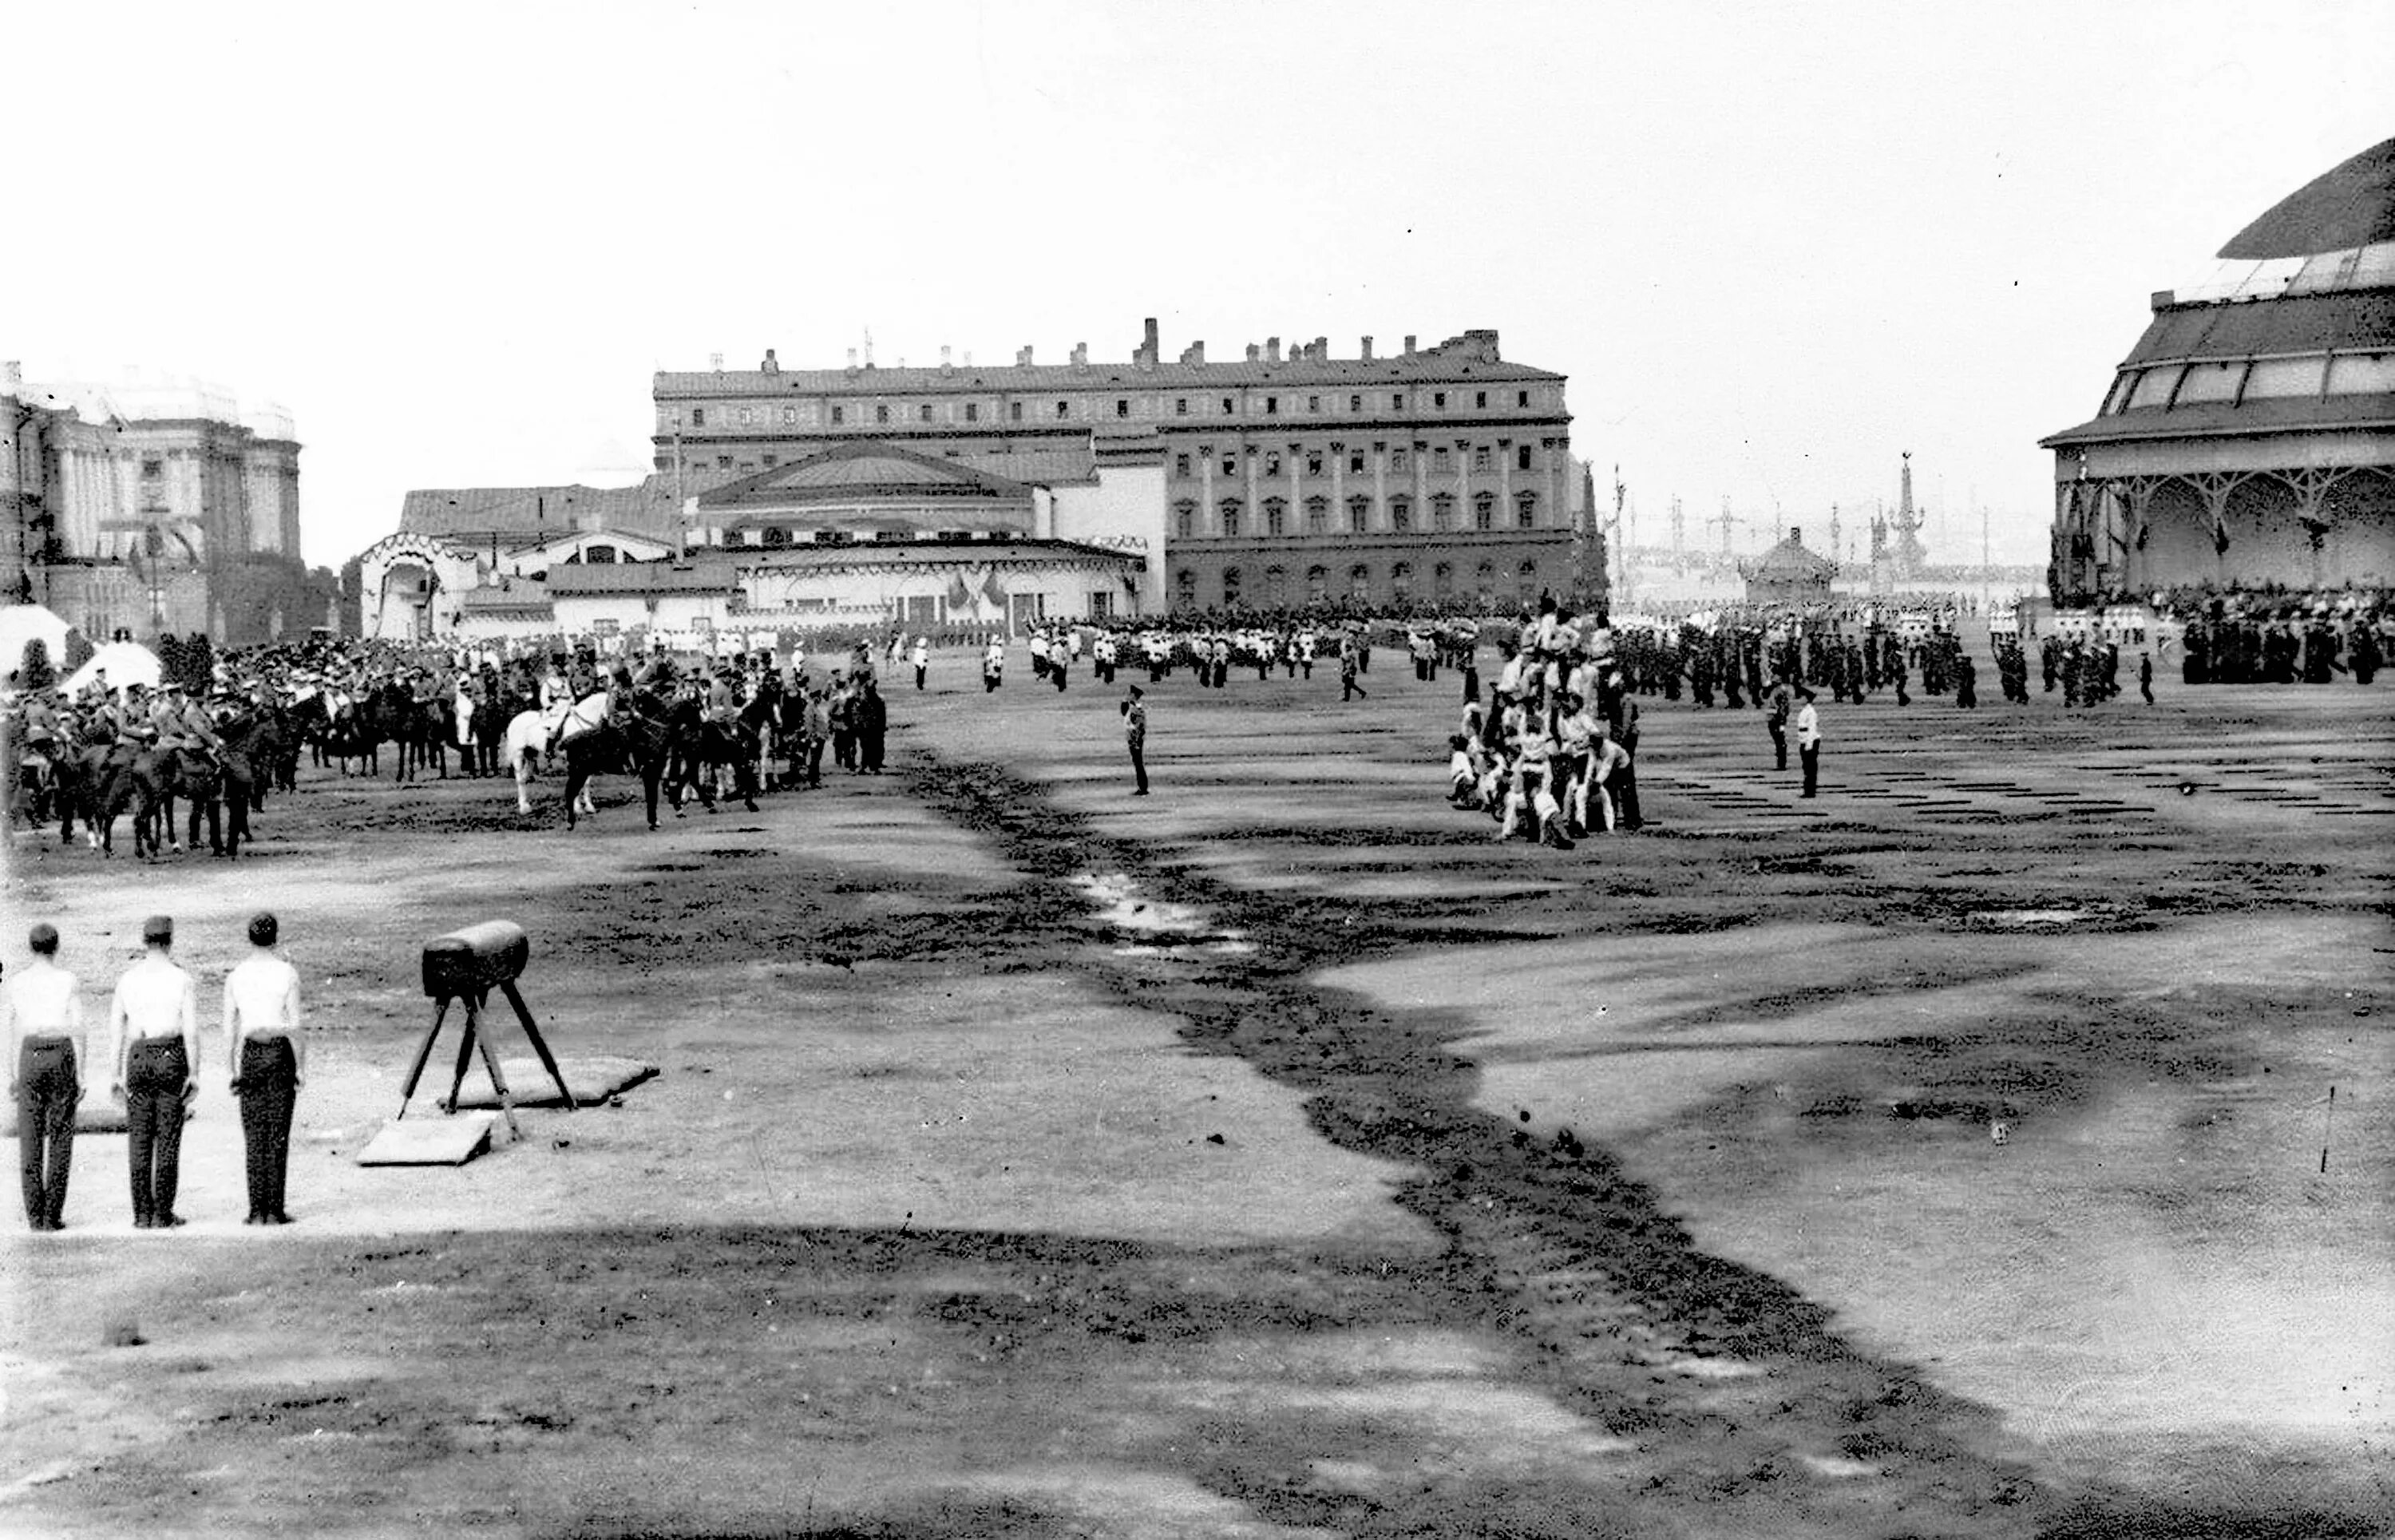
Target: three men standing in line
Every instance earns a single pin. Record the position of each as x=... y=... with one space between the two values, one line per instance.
x=152 y=1048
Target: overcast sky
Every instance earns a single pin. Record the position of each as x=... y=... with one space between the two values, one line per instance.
x=1772 y=245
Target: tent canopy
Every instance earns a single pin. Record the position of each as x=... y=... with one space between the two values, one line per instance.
x=24 y=623
x=125 y=662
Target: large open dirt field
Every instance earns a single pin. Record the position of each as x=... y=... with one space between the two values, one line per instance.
x=1277 y=1155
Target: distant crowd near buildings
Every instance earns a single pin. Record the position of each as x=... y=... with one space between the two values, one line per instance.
x=144 y=509
x=958 y=495
x=2248 y=440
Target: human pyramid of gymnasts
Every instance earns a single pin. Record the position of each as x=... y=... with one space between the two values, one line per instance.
x=1551 y=757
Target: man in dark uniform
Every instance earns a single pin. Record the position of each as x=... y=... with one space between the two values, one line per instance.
x=1135 y=710
x=873 y=723
x=1776 y=704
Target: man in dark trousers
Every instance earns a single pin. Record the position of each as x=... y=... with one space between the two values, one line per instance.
x=44 y=1042
x=1135 y=710
x=873 y=727
x=1808 y=743
x=153 y=1040
x=268 y=1061
x=1776 y=706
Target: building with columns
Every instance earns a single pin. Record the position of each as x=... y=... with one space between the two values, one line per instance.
x=1281 y=478
x=149 y=508
x=2249 y=437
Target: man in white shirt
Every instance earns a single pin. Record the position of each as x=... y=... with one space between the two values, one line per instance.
x=44 y=1041
x=269 y=1060
x=154 y=1042
x=1809 y=742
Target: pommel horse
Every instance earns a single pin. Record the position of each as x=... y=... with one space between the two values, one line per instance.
x=465 y=964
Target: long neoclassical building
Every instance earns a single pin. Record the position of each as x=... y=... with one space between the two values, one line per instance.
x=2249 y=437
x=1288 y=477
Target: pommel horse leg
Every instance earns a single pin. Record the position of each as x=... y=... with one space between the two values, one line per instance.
x=547 y=1060
x=475 y=1040
x=423 y=1054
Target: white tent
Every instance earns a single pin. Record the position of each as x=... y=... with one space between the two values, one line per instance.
x=125 y=662
x=24 y=623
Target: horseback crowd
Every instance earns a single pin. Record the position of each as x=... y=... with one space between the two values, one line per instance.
x=732 y=727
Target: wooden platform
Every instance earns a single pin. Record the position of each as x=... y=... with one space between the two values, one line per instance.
x=429 y=1141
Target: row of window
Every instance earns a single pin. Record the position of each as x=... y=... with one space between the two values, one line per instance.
x=1231 y=521
x=1437 y=460
x=2238 y=381
x=843 y=414
x=1273 y=589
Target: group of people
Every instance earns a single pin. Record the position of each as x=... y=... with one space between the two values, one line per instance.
x=1551 y=755
x=150 y=1054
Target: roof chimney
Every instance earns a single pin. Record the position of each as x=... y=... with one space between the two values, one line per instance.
x=1080 y=355
x=1147 y=348
x=1272 y=350
x=1321 y=349
x=771 y=365
x=1254 y=353
x=1022 y=356
x=1795 y=535
x=1409 y=344
x=1367 y=350
x=1194 y=353
x=944 y=356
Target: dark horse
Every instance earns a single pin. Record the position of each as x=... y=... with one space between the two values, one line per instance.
x=251 y=747
x=702 y=747
x=143 y=784
x=637 y=744
x=418 y=728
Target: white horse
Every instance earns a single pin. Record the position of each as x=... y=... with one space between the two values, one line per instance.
x=534 y=734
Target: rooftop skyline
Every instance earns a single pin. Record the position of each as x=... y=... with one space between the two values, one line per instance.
x=1773 y=248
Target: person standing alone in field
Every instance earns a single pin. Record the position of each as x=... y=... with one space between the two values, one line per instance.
x=1135 y=710
x=44 y=1040
x=269 y=1061
x=1808 y=743
x=1774 y=717
x=153 y=1032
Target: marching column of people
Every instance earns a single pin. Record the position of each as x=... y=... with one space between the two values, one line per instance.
x=151 y=1057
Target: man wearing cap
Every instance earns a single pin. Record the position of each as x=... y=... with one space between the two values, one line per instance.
x=43 y=1041
x=1808 y=743
x=1135 y=710
x=269 y=1061
x=153 y=1040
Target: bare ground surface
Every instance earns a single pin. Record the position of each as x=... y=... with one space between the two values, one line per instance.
x=1275 y=1155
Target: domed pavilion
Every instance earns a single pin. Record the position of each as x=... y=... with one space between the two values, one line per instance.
x=1789 y=573
x=2249 y=437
